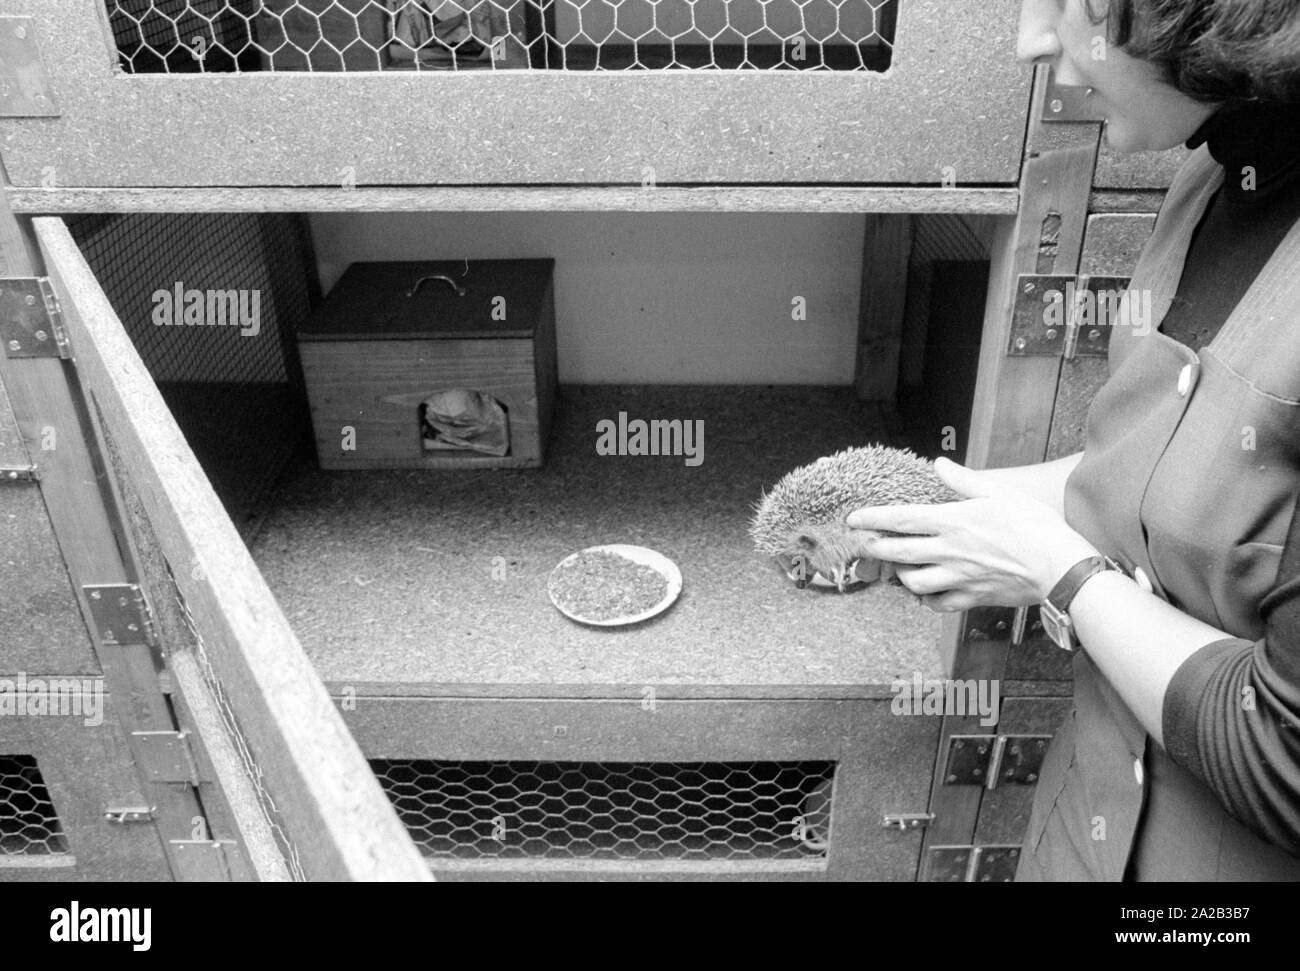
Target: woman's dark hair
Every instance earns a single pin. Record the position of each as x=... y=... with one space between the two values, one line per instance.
x=1212 y=50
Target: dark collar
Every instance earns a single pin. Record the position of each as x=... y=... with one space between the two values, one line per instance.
x=1262 y=134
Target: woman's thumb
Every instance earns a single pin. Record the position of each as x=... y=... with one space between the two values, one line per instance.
x=968 y=483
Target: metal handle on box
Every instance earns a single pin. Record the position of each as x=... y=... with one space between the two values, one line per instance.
x=460 y=291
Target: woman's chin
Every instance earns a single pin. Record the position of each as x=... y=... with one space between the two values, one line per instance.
x=1125 y=137
x=1120 y=137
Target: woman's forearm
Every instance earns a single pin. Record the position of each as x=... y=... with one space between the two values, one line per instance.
x=1044 y=481
x=1138 y=641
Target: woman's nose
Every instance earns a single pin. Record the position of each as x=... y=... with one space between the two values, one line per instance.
x=1037 y=40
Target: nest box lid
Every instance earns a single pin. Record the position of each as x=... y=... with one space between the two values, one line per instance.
x=419 y=300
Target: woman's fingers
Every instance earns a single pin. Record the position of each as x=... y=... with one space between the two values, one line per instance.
x=903 y=549
x=949 y=602
x=900 y=519
x=925 y=581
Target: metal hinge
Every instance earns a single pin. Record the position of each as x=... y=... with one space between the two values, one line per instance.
x=166 y=756
x=971 y=864
x=994 y=760
x=201 y=860
x=31 y=321
x=1069 y=102
x=1065 y=316
x=120 y=613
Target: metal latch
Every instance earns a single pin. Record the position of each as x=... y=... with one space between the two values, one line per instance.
x=993 y=760
x=972 y=864
x=1066 y=316
x=18 y=473
x=129 y=814
x=25 y=90
x=906 y=821
x=166 y=756
x=31 y=322
x=120 y=614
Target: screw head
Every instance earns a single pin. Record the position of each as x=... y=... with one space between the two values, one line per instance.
x=1057 y=106
x=1051 y=333
x=41 y=335
x=1029 y=288
x=1093 y=334
x=1021 y=343
x=15 y=346
x=20 y=31
x=29 y=300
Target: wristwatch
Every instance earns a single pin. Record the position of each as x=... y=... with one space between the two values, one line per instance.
x=1054 y=610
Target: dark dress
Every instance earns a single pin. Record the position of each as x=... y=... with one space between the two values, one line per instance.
x=1190 y=477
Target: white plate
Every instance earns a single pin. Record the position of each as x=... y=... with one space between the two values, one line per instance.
x=665 y=567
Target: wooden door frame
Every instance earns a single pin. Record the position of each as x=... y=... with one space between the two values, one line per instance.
x=1015 y=397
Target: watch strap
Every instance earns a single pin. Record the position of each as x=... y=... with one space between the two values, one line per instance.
x=1063 y=594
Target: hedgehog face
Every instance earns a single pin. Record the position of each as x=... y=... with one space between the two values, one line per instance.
x=828 y=549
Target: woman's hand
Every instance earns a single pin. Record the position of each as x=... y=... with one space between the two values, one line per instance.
x=997 y=547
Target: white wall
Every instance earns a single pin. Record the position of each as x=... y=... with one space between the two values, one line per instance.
x=654 y=298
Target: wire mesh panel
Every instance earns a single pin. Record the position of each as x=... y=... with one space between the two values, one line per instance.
x=29 y=826
x=613 y=810
x=211 y=303
x=185 y=36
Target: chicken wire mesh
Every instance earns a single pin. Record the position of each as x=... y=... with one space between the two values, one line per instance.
x=613 y=810
x=29 y=826
x=188 y=36
x=266 y=804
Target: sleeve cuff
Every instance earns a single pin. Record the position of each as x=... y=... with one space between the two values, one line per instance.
x=1182 y=705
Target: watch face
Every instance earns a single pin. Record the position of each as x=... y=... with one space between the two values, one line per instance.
x=1057 y=625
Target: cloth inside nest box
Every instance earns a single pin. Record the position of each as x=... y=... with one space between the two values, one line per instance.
x=463 y=419
x=443 y=29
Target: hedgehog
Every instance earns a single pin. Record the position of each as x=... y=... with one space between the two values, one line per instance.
x=803 y=516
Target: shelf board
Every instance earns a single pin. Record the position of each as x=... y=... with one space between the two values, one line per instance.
x=387 y=576
x=997 y=201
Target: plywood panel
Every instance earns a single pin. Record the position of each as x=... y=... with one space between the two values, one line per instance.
x=507 y=198
x=954 y=97
x=1137 y=170
x=340 y=821
x=41 y=630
